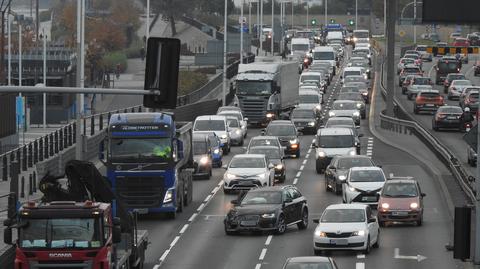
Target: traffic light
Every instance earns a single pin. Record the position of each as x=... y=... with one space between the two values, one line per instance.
x=351 y=22
x=332 y=20
x=314 y=22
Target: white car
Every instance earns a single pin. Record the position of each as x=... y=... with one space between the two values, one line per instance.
x=404 y=61
x=456 y=88
x=363 y=185
x=214 y=123
x=346 y=226
x=246 y=171
x=237 y=114
x=345 y=108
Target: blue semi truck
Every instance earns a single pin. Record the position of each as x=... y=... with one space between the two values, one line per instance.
x=149 y=161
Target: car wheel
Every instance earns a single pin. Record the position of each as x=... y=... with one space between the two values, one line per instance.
x=318 y=167
x=415 y=110
x=241 y=143
x=227 y=232
x=226 y=191
x=327 y=189
x=409 y=96
x=282 y=178
x=404 y=91
x=377 y=244
x=367 y=248
x=304 y=223
x=420 y=221
x=281 y=225
x=210 y=173
x=434 y=127
x=297 y=155
x=338 y=189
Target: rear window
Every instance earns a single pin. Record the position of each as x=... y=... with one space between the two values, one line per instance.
x=450 y=110
x=411 y=70
x=421 y=49
x=430 y=94
x=209 y=125
x=422 y=81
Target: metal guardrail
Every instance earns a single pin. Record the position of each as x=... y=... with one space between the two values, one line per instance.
x=405 y=123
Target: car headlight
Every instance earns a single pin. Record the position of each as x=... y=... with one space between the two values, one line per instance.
x=355 y=39
x=342 y=177
x=279 y=166
x=216 y=151
x=385 y=206
x=352 y=188
x=356 y=113
x=365 y=76
x=311 y=123
x=318 y=107
x=368 y=70
x=359 y=105
x=168 y=196
x=352 y=153
x=364 y=93
x=293 y=141
x=413 y=205
x=369 y=56
x=238 y=132
x=270 y=115
x=331 y=114
x=230 y=176
x=359 y=233
x=204 y=160
x=261 y=176
x=319 y=233
x=224 y=136
x=321 y=154
x=268 y=216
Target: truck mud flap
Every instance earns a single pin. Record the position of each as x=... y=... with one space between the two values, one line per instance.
x=187 y=179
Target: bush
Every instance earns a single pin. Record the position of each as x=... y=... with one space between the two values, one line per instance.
x=189 y=81
x=111 y=60
x=134 y=50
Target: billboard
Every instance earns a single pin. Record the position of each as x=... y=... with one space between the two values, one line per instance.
x=451 y=12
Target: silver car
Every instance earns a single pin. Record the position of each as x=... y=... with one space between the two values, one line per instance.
x=246 y=171
x=345 y=108
x=456 y=88
x=237 y=114
x=235 y=130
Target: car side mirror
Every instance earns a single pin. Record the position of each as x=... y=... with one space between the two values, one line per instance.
x=333 y=168
x=288 y=200
x=316 y=221
x=116 y=231
x=372 y=220
x=357 y=126
x=234 y=202
x=225 y=166
x=360 y=135
x=423 y=194
x=7 y=235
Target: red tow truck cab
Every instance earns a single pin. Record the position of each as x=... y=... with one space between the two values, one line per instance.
x=68 y=234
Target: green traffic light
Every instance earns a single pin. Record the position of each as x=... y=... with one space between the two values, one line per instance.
x=332 y=21
x=351 y=22
x=314 y=22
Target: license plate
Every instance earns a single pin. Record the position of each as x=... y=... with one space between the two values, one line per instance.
x=399 y=213
x=254 y=98
x=369 y=199
x=451 y=118
x=339 y=242
x=429 y=105
x=246 y=182
x=142 y=211
x=248 y=223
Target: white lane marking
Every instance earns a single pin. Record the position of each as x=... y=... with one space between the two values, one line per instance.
x=200 y=208
x=361 y=256
x=215 y=190
x=301 y=167
x=174 y=241
x=304 y=162
x=164 y=255
x=192 y=217
x=262 y=255
x=430 y=71
x=207 y=198
x=313 y=141
x=298 y=174
x=185 y=227
x=258 y=266
x=269 y=239
x=307 y=156
x=220 y=183
x=360 y=265
x=295 y=181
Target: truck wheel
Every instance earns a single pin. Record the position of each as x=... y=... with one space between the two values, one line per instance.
x=172 y=215
x=318 y=167
x=180 y=202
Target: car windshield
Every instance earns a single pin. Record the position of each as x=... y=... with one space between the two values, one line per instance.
x=263 y=142
x=350 y=89
x=344 y=106
x=323 y=55
x=430 y=94
x=310 y=77
x=271 y=153
x=281 y=130
x=354 y=79
x=209 y=125
x=350 y=96
x=339 y=121
x=407 y=61
x=456 y=77
x=450 y=110
x=400 y=190
x=473 y=96
x=133 y=149
x=244 y=162
x=366 y=176
x=447 y=67
x=233 y=123
x=262 y=197
x=235 y=115
x=335 y=141
x=199 y=147
x=61 y=233
x=309 y=99
x=411 y=56
x=421 y=48
x=343 y=215
x=360 y=34
x=411 y=70
x=254 y=87
x=303 y=113
x=351 y=73
x=300 y=47
x=309 y=265
x=348 y=163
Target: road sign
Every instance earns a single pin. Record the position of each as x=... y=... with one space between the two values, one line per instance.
x=401 y=33
x=471 y=137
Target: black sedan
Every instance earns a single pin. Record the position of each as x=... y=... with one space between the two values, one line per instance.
x=357 y=97
x=305 y=119
x=336 y=172
x=447 y=117
x=287 y=134
x=274 y=156
x=313 y=262
x=267 y=209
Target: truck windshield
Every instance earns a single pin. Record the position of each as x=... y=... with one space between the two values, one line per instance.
x=447 y=67
x=254 y=87
x=124 y=149
x=300 y=47
x=360 y=34
x=324 y=55
x=209 y=125
x=61 y=233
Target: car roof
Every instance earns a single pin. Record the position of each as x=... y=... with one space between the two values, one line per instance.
x=264 y=147
x=425 y=90
x=347 y=206
x=308 y=91
x=403 y=180
x=270 y=188
x=412 y=66
x=335 y=131
x=280 y=122
x=340 y=118
x=210 y=117
x=352 y=68
x=344 y=101
x=366 y=168
x=309 y=259
x=352 y=157
x=311 y=73
x=264 y=137
x=246 y=155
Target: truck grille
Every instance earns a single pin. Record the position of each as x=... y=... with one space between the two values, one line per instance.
x=60 y=264
x=254 y=109
x=141 y=192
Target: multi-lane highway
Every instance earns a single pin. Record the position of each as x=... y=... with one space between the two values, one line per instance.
x=196 y=238
x=450 y=138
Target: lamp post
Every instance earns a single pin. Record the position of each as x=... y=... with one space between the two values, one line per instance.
x=356 y=14
x=43 y=36
x=241 y=31
x=224 y=103
x=326 y=13
x=147 y=21
x=308 y=7
x=271 y=39
x=261 y=26
x=9 y=48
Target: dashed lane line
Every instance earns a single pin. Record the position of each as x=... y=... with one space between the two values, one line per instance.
x=262 y=254
x=360 y=265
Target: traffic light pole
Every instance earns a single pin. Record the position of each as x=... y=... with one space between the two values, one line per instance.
x=391 y=18
x=326 y=13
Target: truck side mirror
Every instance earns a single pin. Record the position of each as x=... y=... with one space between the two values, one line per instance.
x=7 y=235
x=161 y=72
x=116 y=231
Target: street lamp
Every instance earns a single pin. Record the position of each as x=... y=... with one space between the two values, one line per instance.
x=356 y=14
x=326 y=13
x=414 y=3
x=225 y=31
x=43 y=36
x=271 y=39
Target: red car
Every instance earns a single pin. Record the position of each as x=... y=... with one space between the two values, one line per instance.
x=401 y=200
x=461 y=42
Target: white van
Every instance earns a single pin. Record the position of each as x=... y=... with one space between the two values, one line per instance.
x=216 y=124
x=352 y=71
x=325 y=54
x=332 y=36
x=300 y=45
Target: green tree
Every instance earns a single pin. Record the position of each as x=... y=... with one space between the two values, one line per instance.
x=172 y=10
